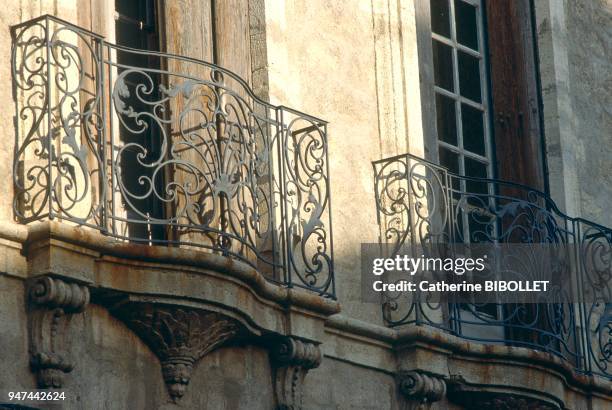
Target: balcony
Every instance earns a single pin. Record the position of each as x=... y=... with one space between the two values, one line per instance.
x=166 y=150
x=421 y=203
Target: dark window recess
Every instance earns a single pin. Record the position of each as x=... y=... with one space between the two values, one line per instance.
x=450 y=160
x=478 y=191
x=136 y=27
x=440 y=21
x=443 y=65
x=446 y=119
x=467 y=28
x=476 y=169
x=469 y=76
x=473 y=129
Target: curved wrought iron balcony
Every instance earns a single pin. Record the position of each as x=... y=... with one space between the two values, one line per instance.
x=421 y=203
x=168 y=150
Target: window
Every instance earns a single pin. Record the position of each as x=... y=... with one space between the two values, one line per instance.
x=461 y=88
x=485 y=93
x=461 y=94
x=486 y=99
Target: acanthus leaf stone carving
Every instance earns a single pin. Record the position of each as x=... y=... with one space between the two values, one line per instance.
x=179 y=337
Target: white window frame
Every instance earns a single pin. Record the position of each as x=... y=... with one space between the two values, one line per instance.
x=455 y=95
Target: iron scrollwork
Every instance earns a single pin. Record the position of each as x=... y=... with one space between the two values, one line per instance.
x=168 y=150
x=421 y=204
x=58 y=159
x=596 y=264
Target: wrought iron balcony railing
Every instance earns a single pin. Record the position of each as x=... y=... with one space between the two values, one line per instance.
x=167 y=150
x=421 y=203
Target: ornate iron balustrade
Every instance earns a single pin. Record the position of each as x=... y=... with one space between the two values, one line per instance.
x=167 y=150
x=421 y=203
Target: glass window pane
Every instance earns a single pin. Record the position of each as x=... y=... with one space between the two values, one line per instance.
x=473 y=129
x=474 y=168
x=458 y=225
x=440 y=22
x=129 y=9
x=467 y=29
x=446 y=119
x=443 y=65
x=449 y=159
x=477 y=195
x=469 y=76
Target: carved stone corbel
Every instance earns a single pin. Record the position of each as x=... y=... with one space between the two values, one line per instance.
x=52 y=304
x=420 y=389
x=291 y=360
x=179 y=337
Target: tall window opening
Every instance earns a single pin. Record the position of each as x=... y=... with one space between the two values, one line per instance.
x=486 y=90
x=488 y=126
x=461 y=92
x=137 y=27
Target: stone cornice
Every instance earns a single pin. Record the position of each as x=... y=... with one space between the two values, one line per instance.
x=547 y=362
x=361 y=328
x=282 y=302
x=12 y=231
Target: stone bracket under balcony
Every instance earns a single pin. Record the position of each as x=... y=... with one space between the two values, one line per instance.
x=291 y=360
x=182 y=303
x=53 y=303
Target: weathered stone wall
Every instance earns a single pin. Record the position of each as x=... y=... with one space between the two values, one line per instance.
x=590 y=58
x=14 y=336
x=575 y=47
x=343 y=386
x=354 y=64
x=21 y=11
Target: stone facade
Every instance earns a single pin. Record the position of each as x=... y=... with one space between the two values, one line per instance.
x=576 y=90
x=118 y=325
